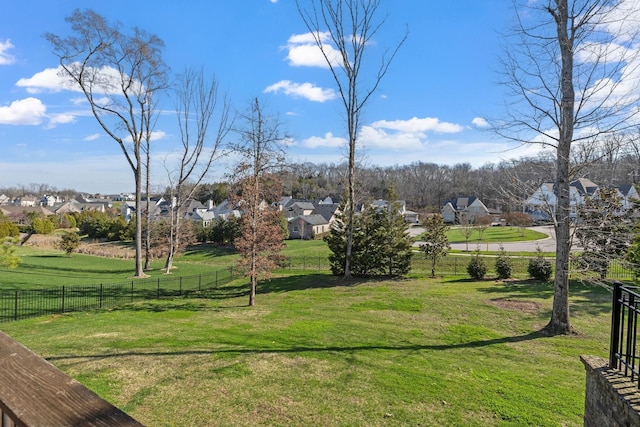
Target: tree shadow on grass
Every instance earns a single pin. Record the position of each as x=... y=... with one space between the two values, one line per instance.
x=209 y=250
x=300 y=349
x=29 y=268
x=302 y=282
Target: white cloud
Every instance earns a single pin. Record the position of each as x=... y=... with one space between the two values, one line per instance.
x=60 y=119
x=155 y=136
x=92 y=137
x=28 y=111
x=56 y=80
x=302 y=90
x=304 y=51
x=6 y=58
x=480 y=122
x=372 y=137
x=46 y=80
x=328 y=140
x=416 y=125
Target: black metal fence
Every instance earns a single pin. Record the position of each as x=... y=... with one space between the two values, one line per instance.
x=623 y=351
x=456 y=265
x=21 y=304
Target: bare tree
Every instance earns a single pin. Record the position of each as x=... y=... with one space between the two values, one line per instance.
x=197 y=103
x=260 y=149
x=350 y=25
x=120 y=75
x=572 y=70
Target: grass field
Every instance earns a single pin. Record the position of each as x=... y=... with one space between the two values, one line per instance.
x=495 y=235
x=317 y=351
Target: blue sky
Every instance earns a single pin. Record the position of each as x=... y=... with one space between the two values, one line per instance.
x=428 y=107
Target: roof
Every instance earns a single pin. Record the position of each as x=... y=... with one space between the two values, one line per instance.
x=304 y=205
x=585 y=186
x=460 y=203
x=313 y=219
x=327 y=211
x=16 y=210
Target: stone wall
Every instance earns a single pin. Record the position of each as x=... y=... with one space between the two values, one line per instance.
x=611 y=399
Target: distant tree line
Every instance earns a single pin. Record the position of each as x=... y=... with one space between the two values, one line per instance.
x=422 y=185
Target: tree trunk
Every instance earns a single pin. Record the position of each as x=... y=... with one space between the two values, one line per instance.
x=560 y=323
x=138 y=232
x=147 y=213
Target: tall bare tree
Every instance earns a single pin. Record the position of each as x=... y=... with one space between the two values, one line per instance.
x=572 y=68
x=120 y=75
x=197 y=104
x=350 y=25
x=260 y=150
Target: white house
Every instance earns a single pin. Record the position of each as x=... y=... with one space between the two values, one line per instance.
x=542 y=204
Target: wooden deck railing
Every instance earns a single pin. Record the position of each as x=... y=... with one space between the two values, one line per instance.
x=34 y=393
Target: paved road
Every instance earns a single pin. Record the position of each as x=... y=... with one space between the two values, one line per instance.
x=547 y=244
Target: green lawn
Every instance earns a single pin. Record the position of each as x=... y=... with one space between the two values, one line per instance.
x=317 y=351
x=42 y=268
x=495 y=235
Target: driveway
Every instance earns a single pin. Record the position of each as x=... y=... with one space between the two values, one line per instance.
x=547 y=244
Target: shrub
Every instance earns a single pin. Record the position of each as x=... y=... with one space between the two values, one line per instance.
x=503 y=265
x=539 y=268
x=69 y=242
x=476 y=268
x=8 y=229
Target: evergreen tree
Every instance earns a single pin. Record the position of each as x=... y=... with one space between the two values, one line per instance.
x=69 y=242
x=436 y=243
x=8 y=258
x=604 y=230
x=381 y=245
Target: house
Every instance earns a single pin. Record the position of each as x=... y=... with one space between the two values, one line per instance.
x=327 y=210
x=542 y=204
x=156 y=210
x=73 y=206
x=4 y=200
x=19 y=214
x=410 y=217
x=50 y=200
x=307 y=226
x=122 y=197
x=628 y=194
x=467 y=210
x=208 y=215
x=25 y=201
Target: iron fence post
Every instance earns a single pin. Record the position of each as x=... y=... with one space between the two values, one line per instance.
x=15 y=307
x=615 y=324
x=62 y=299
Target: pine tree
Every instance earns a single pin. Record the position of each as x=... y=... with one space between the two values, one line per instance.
x=436 y=243
x=381 y=245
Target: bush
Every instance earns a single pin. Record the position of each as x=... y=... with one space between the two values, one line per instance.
x=476 y=268
x=8 y=229
x=540 y=268
x=503 y=265
x=69 y=242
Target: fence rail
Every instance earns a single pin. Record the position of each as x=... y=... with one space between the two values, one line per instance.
x=624 y=353
x=456 y=265
x=23 y=303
